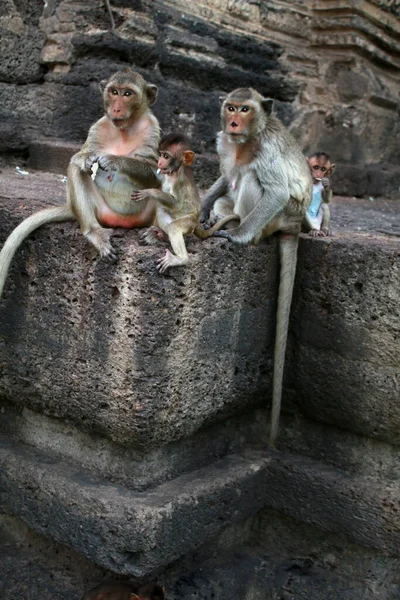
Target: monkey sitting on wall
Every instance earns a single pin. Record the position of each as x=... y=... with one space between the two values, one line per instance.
x=266 y=181
x=178 y=202
x=123 y=144
x=125 y=590
x=317 y=218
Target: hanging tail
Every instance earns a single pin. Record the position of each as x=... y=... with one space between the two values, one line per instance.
x=288 y=244
x=15 y=239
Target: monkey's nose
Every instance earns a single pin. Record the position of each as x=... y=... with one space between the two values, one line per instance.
x=233 y=124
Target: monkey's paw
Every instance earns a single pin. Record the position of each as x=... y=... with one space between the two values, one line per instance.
x=107 y=162
x=165 y=262
x=204 y=216
x=222 y=233
x=90 y=160
x=139 y=196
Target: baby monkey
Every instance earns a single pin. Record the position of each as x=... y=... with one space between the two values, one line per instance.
x=178 y=202
x=125 y=590
x=317 y=218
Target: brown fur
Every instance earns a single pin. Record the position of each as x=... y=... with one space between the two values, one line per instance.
x=178 y=202
x=124 y=144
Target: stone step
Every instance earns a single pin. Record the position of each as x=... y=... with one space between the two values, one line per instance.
x=140 y=533
x=51 y=156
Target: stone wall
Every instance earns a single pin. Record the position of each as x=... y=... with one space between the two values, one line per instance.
x=331 y=66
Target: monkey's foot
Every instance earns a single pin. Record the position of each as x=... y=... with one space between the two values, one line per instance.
x=318 y=232
x=169 y=260
x=153 y=236
x=222 y=233
x=100 y=239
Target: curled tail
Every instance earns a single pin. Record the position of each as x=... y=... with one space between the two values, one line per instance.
x=288 y=257
x=15 y=239
x=203 y=234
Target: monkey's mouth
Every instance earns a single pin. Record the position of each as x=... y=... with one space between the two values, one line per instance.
x=119 y=122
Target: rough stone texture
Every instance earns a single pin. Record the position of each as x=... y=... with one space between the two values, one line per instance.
x=114 y=405
x=142 y=533
x=346 y=330
x=332 y=67
x=268 y=556
x=140 y=357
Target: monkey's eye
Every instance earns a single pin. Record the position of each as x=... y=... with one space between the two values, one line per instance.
x=166 y=156
x=128 y=93
x=231 y=108
x=114 y=92
x=245 y=109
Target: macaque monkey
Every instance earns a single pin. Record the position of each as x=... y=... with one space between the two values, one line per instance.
x=265 y=179
x=122 y=145
x=317 y=218
x=125 y=590
x=178 y=202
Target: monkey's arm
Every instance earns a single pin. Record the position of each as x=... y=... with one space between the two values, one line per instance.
x=217 y=190
x=162 y=198
x=136 y=168
x=327 y=194
x=272 y=200
x=326 y=217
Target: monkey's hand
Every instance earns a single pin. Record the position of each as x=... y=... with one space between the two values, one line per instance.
x=108 y=162
x=84 y=161
x=325 y=232
x=141 y=195
x=205 y=214
x=325 y=182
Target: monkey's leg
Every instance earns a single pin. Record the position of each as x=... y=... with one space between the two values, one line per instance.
x=326 y=218
x=84 y=199
x=180 y=257
x=223 y=206
x=15 y=239
x=288 y=257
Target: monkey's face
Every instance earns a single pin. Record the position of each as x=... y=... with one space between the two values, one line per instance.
x=169 y=161
x=237 y=119
x=122 y=103
x=320 y=167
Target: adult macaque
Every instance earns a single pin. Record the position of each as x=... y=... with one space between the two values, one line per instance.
x=317 y=218
x=125 y=590
x=178 y=202
x=123 y=145
x=265 y=179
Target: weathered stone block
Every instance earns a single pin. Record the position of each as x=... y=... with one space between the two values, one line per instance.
x=345 y=326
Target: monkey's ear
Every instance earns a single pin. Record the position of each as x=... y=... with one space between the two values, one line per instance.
x=333 y=167
x=221 y=99
x=151 y=93
x=102 y=85
x=134 y=597
x=188 y=158
x=267 y=105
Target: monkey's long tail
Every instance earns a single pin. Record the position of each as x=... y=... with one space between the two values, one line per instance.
x=288 y=257
x=15 y=239
x=203 y=234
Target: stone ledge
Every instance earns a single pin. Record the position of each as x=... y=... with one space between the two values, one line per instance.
x=141 y=533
